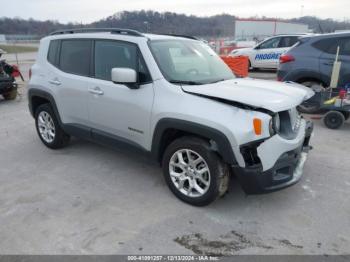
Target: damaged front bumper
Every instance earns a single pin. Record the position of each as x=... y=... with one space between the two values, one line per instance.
x=284 y=172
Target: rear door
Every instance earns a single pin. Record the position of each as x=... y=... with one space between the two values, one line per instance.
x=115 y=110
x=68 y=78
x=327 y=58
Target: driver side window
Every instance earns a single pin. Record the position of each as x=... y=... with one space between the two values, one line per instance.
x=110 y=54
x=271 y=43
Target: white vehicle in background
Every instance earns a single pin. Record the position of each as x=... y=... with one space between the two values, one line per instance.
x=267 y=53
x=243 y=42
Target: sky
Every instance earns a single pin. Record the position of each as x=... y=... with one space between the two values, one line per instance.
x=86 y=11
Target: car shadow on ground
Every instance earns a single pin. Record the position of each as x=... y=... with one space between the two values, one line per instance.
x=126 y=155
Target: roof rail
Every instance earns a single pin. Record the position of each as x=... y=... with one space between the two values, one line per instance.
x=97 y=30
x=184 y=36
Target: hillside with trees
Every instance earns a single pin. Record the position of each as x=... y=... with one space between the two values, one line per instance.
x=155 y=22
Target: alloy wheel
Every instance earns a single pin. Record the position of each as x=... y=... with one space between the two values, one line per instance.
x=46 y=127
x=189 y=173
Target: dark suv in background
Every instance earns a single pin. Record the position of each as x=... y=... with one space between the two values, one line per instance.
x=310 y=62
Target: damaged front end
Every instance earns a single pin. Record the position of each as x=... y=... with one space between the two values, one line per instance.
x=274 y=164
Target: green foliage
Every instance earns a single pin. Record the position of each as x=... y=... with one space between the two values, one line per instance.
x=18 y=49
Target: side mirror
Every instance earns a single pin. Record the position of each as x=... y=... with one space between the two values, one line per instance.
x=125 y=76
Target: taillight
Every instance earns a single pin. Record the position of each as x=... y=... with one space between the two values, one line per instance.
x=286 y=59
x=30 y=73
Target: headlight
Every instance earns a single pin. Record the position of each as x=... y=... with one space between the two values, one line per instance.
x=275 y=124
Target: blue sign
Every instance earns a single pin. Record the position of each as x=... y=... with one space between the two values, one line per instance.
x=269 y=56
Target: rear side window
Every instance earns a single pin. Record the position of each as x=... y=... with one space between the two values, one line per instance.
x=330 y=45
x=75 y=57
x=326 y=45
x=52 y=55
x=345 y=46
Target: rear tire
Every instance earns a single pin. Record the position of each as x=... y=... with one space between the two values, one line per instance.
x=10 y=95
x=194 y=172
x=48 y=128
x=334 y=119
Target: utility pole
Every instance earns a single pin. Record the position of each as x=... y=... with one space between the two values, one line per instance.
x=146 y=23
x=302 y=11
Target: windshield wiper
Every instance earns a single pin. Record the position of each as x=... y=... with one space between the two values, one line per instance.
x=216 y=81
x=192 y=83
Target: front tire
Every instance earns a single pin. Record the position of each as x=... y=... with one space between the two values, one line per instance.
x=48 y=128
x=194 y=172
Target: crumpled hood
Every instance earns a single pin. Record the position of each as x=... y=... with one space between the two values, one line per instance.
x=271 y=95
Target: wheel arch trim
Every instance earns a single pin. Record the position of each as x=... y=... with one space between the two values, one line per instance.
x=299 y=75
x=35 y=92
x=223 y=144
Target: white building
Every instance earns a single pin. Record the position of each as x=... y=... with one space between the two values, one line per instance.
x=2 y=39
x=258 y=29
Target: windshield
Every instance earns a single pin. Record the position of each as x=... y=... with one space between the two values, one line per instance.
x=189 y=62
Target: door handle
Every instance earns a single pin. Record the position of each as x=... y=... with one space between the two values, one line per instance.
x=55 y=82
x=96 y=91
x=329 y=63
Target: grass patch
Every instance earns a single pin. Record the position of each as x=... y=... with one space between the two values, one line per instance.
x=18 y=49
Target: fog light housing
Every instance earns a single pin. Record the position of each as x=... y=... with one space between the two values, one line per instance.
x=275 y=124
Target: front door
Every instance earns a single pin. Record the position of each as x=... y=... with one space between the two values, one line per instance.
x=115 y=109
